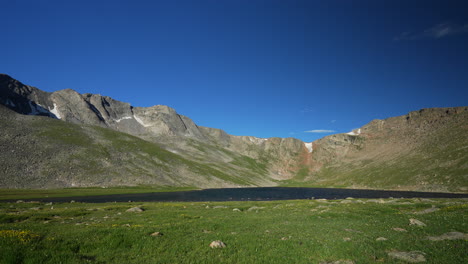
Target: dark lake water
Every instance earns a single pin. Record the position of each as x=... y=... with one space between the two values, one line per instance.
x=253 y=194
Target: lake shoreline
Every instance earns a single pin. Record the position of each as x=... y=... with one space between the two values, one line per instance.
x=249 y=194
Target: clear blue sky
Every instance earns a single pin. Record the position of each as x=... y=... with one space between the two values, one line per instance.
x=261 y=68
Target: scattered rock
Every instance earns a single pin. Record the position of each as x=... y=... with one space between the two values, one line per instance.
x=426 y=200
x=346 y=201
x=428 y=210
x=399 y=229
x=346 y=239
x=217 y=244
x=20 y=201
x=135 y=210
x=416 y=222
x=352 y=230
x=72 y=201
x=156 y=234
x=236 y=210
x=255 y=208
x=449 y=236
x=337 y=262
x=376 y=201
x=412 y=256
x=381 y=239
x=35 y=208
x=322 y=200
x=219 y=207
x=206 y=231
x=284 y=238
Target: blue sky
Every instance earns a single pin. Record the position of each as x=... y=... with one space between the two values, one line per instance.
x=261 y=68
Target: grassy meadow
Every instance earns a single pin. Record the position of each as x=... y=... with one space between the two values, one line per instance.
x=294 y=231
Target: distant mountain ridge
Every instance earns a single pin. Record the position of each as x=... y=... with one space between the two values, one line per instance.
x=337 y=160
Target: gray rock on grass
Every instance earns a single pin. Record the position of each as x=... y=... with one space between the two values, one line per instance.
x=255 y=208
x=449 y=236
x=412 y=256
x=135 y=210
x=217 y=244
x=416 y=222
x=338 y=262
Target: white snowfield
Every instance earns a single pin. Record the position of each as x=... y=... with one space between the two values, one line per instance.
x=55 y=111
x=36 y=109
x=123 y=118
x=309 y=147
x=352 y=133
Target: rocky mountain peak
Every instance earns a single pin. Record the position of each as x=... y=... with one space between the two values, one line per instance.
x=376 y=147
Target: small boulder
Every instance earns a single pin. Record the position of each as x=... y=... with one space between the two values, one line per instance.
x=255 y=208
x=428 y=210
x=236 y=210
x=412 y=256
x=416 y=222
x=381 y=239
x=135 y=210
x=217 y=244
x=156 y=234
x=399 y=229
x=449 y=236
x=338 y=262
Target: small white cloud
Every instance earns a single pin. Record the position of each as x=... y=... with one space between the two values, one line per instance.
x=320 y=131
x=307 y=110
x=438 y=31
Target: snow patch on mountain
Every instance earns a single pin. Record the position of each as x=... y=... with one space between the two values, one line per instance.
x=352 y=133
x=55 y=111
x=123 y=118
x=37 y=109
x=10 y=103
x=309 y=147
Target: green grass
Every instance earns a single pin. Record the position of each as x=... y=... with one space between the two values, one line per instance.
x=305 y=231
x=12 y=194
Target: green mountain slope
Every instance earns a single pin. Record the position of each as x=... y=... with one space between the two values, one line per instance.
x=41 y=152
x=424 y=150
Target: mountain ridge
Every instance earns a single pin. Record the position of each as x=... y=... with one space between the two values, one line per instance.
x=245 y=159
